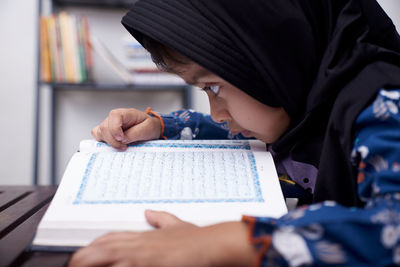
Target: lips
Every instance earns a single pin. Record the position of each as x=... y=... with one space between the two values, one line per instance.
x=235 y=132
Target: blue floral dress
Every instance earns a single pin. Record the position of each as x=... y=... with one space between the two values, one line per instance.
x=328 y=234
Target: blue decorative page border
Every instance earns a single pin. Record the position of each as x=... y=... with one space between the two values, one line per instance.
x=256 y=182
x=245 y=145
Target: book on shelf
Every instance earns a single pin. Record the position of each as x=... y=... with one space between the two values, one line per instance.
x=67 y=44
x=66 y=55
x=67 y=47
x=45 y=64
x=111 y=3
x=55 y=49
x=138 y=58
x=133 y=76
x=200 y=181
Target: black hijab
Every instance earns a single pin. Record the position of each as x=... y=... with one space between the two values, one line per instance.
x=323 y=61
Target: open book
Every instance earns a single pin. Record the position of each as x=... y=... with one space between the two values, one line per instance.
x=202 y=181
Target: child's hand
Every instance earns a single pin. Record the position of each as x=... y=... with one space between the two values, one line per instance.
x=124 y=126
x=175 y=243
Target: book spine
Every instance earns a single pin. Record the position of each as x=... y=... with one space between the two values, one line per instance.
x=45 y=65
x=73 y=33
x=53 y=47
x=66 y=40
x=55 y=51
x=81 y=49
x=88 y=49
x=60 y=51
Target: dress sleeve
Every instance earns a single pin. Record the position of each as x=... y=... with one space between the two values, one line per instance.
x=188 y=124
x=328 y=234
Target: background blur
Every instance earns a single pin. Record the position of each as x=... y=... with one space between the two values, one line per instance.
x=78 y=111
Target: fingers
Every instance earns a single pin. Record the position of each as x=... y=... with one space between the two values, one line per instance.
x=105 y=250
x=147 y=130
x=92 y=256
x=103 y=133
x=96 y=133
x=122 y=119
x=162 y=219
x=112 y=129
x=115 y=237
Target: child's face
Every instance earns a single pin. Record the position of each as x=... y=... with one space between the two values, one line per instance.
x=243 y=113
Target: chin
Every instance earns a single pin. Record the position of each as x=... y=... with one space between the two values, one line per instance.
x=265 y=139
x=262 y=139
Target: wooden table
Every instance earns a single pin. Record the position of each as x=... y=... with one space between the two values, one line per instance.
x=21 y=208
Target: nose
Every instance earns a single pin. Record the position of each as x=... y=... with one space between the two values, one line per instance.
x=218 y=111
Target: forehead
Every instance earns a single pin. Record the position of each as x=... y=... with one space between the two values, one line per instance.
x=191 y=72
x=187 y=69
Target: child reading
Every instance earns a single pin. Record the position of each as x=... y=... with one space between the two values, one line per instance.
x=319 y=82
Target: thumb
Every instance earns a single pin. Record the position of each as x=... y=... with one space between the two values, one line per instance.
x=161 y=219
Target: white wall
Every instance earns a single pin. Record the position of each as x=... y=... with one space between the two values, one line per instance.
x=77 y=112
x=392 y=8
x=17 y=76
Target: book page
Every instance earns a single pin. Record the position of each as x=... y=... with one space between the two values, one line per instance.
x=207 y=173
x=203 y=182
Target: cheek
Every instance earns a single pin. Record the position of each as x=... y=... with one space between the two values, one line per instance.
x=260 y=121
x=244 y=118
x=246 y=114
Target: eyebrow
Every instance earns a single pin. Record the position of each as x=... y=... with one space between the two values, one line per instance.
x=194 y=79
x=201 y=73
x=173 y=70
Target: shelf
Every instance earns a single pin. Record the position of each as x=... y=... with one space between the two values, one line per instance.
x=116 y=87
x=95 y=3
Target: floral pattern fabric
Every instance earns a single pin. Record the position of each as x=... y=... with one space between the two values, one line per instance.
x=188 y=125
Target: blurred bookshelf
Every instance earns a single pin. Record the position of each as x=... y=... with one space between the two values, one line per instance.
x=125 y=78
x=96 y=3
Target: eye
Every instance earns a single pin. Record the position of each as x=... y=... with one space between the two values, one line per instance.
x=214 y=89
